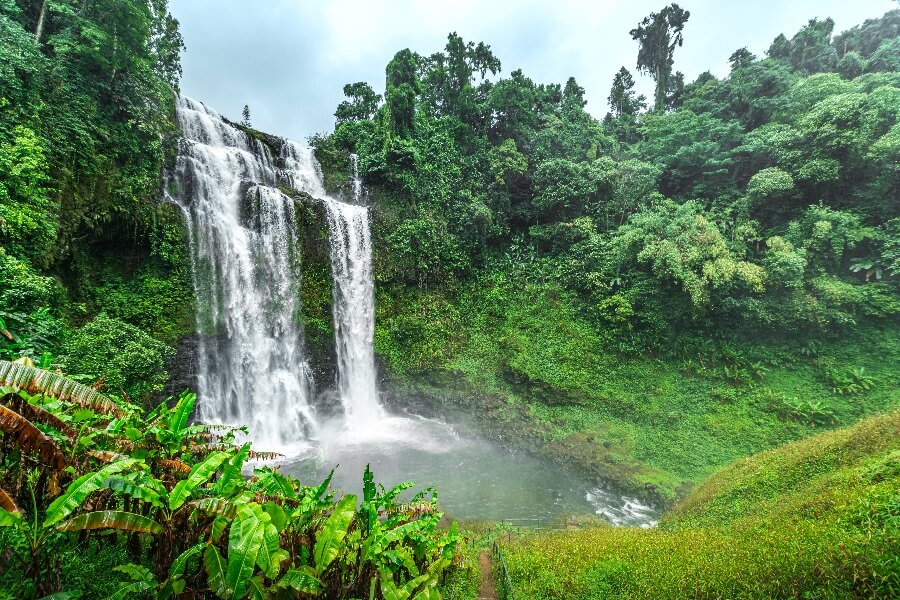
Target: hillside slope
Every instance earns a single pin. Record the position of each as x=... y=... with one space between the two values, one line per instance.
x=818 y=518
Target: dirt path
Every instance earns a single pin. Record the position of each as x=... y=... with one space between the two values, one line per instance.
x=487 y=591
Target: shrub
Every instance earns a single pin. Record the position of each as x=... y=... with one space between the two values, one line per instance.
x=123 y=356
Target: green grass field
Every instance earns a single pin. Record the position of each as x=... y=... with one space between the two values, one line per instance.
x=818 y=518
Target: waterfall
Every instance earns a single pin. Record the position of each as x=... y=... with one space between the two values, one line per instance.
x=245 y=255
x=354 y=308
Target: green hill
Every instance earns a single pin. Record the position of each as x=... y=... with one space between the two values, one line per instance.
x=818 y=518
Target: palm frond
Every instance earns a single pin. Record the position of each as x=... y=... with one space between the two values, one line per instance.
x=7 y=503
x=29 y=439
x=40 y=381
x=37 y=414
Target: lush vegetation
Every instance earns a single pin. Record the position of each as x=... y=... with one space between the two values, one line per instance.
x=656 y=293
x=815 y=519
x=649 y=297
x=86 y=97
x=80 y=469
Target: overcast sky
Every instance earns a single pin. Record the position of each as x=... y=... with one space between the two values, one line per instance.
x=289 y=59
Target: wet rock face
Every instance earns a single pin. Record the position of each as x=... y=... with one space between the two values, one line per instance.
x=182 y=367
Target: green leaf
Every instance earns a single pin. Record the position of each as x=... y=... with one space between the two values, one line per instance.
x=199 y=475
x=219 y=525
x=133 y=489
x=271 y=554
x=215 y=572
x=136 y=572
x=389 y=589
x=278 y=514
x=79 y=490
x=9 y=519
x=112 y=519
x=257 y=588
x=330 y=538
x=319 y=491
x=135 y=587
x=176 y=571
x=231 y=474
x=245 y=539
x=63 y=595
x=302 y=580
x=217 y=506
x=182 y=412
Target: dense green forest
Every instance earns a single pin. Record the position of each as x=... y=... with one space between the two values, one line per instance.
x=647 y=297
x=657 y=293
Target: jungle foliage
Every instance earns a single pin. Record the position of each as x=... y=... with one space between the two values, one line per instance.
x=757 y=202
x=81 y=471
x=86 y=98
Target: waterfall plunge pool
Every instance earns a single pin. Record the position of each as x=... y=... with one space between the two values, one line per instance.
x=476 y=480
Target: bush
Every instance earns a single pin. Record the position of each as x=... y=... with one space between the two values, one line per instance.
x=123 y=356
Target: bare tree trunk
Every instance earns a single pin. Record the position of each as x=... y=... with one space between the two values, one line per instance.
x=659 y=104
x=39 y=30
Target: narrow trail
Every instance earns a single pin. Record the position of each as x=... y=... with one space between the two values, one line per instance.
x=487 y=591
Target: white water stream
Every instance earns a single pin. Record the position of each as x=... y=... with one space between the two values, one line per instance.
x=354 y=311
x=252 y=367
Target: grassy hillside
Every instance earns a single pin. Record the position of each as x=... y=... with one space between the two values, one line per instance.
x=818 y=518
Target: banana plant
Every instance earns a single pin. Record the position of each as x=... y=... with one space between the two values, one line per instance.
x=253 y=542
x=142 y=580
x=36 y=531
x=41 y=381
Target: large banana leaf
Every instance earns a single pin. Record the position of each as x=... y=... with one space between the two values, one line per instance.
x=134 y=489
x=39 y=381
x=36 y=414
x=112 y=519
x=135 y=587
x=30 y=440
x=271 y=555
x=257 y=588
x=302 y=580
x=217 y=506
x=330 y=538
x=7 y=503
x=245 y=539
x=199 y=475
x=272 y=483
x=215 y=572
x=182 y=412
x=136 y=572
x=231 y=474
x=81 y=488
x=176 y=571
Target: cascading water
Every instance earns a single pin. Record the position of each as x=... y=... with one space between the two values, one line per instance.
x=252 y=367
x=354 y=308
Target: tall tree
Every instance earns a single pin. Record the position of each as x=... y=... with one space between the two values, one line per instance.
x=623 y=100
x=658 y=35
x=573 y=94
x=362 y=103
x=741 y=58
x=401 y=90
